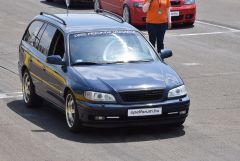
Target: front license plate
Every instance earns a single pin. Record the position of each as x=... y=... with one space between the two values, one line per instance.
x=144 y=112
x=175 y=13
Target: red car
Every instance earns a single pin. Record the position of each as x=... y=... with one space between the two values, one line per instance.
x=183 y=11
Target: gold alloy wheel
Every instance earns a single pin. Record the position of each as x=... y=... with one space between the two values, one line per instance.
x=26 y=86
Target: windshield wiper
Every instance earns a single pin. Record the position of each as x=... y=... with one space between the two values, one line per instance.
x=84 y=63
x=115 y=62
x=136 y=61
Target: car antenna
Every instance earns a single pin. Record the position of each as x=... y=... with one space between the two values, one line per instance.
x=67 y=4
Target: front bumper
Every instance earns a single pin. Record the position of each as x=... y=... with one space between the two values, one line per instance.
x=187 y=14
x=117 y=115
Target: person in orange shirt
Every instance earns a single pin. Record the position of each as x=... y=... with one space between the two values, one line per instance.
x=158 y=20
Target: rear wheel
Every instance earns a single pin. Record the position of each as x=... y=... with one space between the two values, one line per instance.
x=96 y=5
x=29 y=96
x=71 y=112
x=126 y=14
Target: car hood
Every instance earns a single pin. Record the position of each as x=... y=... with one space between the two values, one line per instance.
x=129 y=76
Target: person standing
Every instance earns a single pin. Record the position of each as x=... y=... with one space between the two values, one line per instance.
x=158 y=20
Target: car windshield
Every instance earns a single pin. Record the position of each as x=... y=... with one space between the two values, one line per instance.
x=110 y=47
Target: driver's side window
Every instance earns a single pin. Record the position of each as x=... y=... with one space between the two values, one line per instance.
x=57 y=46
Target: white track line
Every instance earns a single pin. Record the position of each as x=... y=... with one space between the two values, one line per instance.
x=197 y=34
x=229 y=30
x=191 y=64
x=202 y=33
x=10 y=95
x=219 y=26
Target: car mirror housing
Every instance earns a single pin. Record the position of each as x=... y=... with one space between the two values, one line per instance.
x=165 y=53
x=55 y=59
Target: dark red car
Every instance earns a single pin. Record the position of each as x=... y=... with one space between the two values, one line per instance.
x=183 y=11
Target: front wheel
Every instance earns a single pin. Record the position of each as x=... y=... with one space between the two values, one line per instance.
x=71 y=112
x=189 y=24
x=126 y=14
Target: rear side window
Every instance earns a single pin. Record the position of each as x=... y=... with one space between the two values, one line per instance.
x=32 y=31
x=46 y=40
x=37 y=40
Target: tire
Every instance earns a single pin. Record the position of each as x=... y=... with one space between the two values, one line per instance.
x=126 y=14
x=189 y=24
x=29 y=96
x=97 y=5
x=71 y=113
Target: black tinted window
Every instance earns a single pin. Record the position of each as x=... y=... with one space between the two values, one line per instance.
x=45 y=42
x=32 y=32
x=57 y=45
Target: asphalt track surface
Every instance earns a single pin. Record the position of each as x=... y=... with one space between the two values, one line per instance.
x=206 y=56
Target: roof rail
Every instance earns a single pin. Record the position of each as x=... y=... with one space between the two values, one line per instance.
x=110 y=14
x=49 y=14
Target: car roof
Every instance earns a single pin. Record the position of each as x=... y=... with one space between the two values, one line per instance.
x=84 y=22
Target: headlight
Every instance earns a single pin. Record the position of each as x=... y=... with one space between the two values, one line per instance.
x=177 y=92
x=138 y=4
x=189 y=1
x=97 y=96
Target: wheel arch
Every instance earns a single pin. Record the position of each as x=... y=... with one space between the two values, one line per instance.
x=66 y=90
x=24 y=68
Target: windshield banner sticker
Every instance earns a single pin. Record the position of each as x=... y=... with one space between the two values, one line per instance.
x=99 y=33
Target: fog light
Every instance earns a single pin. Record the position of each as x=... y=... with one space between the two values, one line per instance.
x=113 y=117
x=183 y=112
x=189 y=16
x=99 y=118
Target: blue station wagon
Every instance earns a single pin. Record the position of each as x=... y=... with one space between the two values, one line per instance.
x=99 y=70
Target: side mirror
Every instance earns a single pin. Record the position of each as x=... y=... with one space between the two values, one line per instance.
x=55 y=59
x=165 y=53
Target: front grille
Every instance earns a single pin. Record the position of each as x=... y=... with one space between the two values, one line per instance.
x=138 y=96
x=175 y=3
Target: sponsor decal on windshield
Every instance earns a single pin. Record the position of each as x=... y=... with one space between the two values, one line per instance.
x=99 y=33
